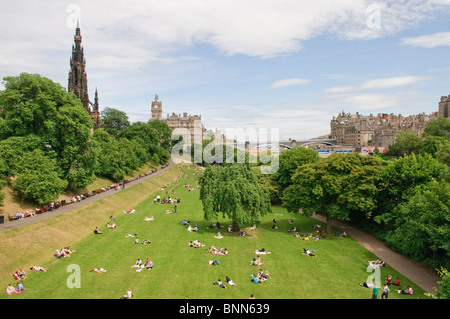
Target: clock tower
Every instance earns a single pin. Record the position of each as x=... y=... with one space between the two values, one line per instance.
x=156 y=109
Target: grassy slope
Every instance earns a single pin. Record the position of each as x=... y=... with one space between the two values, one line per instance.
x=181 y=271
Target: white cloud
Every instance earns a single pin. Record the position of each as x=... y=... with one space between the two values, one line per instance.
x=428 y=41
x=381 y=83
x=288 y=82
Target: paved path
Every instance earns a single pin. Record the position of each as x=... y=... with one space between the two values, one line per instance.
x=423 y=277
x=63 y=209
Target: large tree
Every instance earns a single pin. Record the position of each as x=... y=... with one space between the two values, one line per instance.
x=290 y=160
x=398 y=181
x=113 y=120
x=37 y=178
x=38 y=107
x=233 y=191
x=423 y=225
x=334 y=186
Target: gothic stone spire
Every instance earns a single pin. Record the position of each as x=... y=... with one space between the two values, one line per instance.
x=77 y=73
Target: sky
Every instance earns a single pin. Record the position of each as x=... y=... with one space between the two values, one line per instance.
x=288 y=65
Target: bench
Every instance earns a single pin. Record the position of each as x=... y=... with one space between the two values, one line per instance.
x=12 y=217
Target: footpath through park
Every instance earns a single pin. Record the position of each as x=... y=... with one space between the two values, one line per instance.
x=422 y=276
x=63 y=209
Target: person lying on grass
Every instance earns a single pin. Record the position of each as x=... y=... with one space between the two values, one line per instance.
x=230 y=282
x=308 y=252
x=98 y=270
x=130 y=235
x=191 y=229
x=113 y=225
x=38 y=268
x=214 y=251
x=195 y=244
x=213 y=262
x=146 y=218
x=219 y=283
x=262 y=252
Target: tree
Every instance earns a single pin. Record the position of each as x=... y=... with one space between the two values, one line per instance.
x=290 y=160
x=233 y=191
x=439 y=126
x=334 y=186
x=113 y=121
x=35 y=106
x=422 y=227
x=444 y=284
x=405 y=143
x=37 y=178
x=398 y=181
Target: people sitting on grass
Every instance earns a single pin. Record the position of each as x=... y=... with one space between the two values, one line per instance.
x=407 y=291
x=308 y=252
x=293 y=230
x=38 y=268
x=11 y=290
x=218 y=236
x=260 y=277
x=97 y=231
x=64 y=252
x=20 y=275
x=129 y=294
x=98 y=270
x=148 y=264
x=195 y=228
x=242 y=232
x=195 y=244
x=388 y=280
x=256 y=262
x=146 y=242
x=138 y=263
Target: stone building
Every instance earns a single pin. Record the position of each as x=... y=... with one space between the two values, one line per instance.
x=444 y=107
x=356 y=130
x=191 y=124
x=78 y=83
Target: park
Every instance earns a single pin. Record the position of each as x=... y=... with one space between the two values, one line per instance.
x=180 y=271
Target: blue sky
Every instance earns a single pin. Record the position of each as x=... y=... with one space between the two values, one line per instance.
x=286 y=64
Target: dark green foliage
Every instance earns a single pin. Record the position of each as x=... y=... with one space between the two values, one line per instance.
x=232 y=190
x=422 y=228
x=334 y=186
x=37 y=178
x=113 y=121
x=290 y=160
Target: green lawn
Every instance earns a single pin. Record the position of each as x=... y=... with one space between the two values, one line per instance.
x=182 y=272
